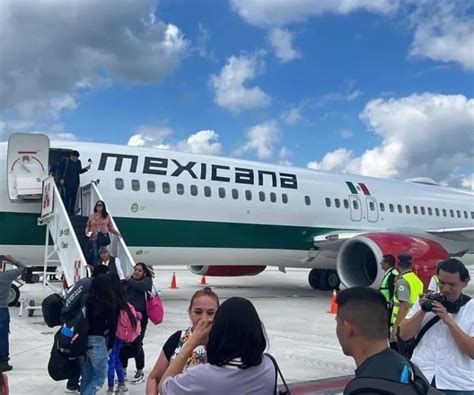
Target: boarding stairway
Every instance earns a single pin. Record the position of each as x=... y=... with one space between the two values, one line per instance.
x=66 y=242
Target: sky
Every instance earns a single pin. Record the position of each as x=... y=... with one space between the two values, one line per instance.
x=382 y=88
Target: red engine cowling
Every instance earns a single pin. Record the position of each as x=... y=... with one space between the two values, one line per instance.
x=226 y=271
x=358 y=259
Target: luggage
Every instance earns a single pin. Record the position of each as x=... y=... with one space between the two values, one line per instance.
x=71 y=339
x=128 y=331
x=51 y=307
x=60 y=366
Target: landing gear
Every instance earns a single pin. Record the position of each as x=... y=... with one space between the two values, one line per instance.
x=13 y=295
x=323 y=279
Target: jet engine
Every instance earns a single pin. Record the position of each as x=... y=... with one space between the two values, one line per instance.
x=358 y=259
x=226 y=271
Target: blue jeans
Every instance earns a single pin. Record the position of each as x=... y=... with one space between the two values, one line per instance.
x=94 y=369
x=94 y=257
x=114 y=364
x=4 y=332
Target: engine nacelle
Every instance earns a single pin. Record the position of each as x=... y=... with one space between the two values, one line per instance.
x=226 y=271
x=358 y=259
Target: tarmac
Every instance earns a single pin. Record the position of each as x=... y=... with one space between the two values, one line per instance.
x=301 y=333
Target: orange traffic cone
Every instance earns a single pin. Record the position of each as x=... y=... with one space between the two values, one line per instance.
x=173 y=281
x=332 y=305
x=203 y=280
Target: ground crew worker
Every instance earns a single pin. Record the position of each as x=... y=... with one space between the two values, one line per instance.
x=434 y=281
x=407 y=290
x=388 y=282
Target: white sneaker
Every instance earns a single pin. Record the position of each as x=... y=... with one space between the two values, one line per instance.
x=138 y=378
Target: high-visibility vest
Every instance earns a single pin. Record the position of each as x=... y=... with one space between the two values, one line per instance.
x=416 y=288
x=384 y=285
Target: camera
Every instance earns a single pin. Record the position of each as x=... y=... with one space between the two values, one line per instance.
x=427 y=305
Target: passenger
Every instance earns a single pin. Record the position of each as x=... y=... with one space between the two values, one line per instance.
x=111 y=262
x=361 y=328
x=203 y=306
x=445 y=354
x=408 y=288
x=99 y=221
x=67 y=174
x=235 y=353
x=140 y=282
x=6 y=279
x=114 y=357
x=102 y=317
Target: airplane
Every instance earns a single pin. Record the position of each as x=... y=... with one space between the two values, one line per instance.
x=227 y=217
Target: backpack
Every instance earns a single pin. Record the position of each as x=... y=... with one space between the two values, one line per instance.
x=71 y=339
x=125 y=330
x=72 y=302
x=60 y=366
x=51 y=307
x=418 y=385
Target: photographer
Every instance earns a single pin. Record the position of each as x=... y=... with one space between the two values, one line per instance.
x=445 y=354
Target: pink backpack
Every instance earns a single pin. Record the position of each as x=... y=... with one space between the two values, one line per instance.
x=125 y=330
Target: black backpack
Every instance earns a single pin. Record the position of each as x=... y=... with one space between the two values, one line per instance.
x=52 y=306
x=71 y=339
x=60 y=366
x=74 y=297
x=418 y=385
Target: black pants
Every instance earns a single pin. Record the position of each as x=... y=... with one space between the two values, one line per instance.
x=73 y=381
x=70 y=198
x=140 y=354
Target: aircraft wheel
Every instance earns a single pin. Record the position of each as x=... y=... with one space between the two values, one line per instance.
x=31 y=312
x=314 y=278
x=323 y=280
x=35 y=278
x=14 y=295
x=333 y=280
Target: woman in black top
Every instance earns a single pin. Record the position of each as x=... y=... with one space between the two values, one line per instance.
x=140 y=282
x=102 y=317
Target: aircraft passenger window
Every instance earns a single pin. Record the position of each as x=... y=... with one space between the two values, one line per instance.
x=194 y=190
x=465 y=214
x=458 y=213
x=165 y=187
x=119 y=184
x=207 y=191
x=150 y=185
x=337 y=203
x=221 y=192
x=415 y=210
x=472 y=214
x=355 y=204
x=135 y=185
x=372 y=206
x=452 y=213
x=346 y=203
x=284 y=198
x=422 y=209
x=390 y=206
x=445 y=214
x=430 y=211
x=248 y=195
x=382 y=207
x=328 y=202
x=180 y=189
x=307 y=200
x=399 y=207
x=407 y=209
x=437 y=212
x=261 y=196
x=235 y=193
x=273 y=197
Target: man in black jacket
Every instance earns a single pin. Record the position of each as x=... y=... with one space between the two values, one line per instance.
x=67 y=175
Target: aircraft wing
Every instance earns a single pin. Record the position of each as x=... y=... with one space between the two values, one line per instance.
x=457 y=234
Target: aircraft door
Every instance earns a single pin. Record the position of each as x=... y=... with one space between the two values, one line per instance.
x=355 y=207
x=27 y=165
x=372 y=209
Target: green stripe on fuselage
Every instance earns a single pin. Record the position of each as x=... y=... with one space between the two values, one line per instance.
x=21 y=229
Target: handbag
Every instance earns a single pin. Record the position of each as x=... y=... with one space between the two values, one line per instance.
x=278 y=372
x=103 y=239
x=154 y=307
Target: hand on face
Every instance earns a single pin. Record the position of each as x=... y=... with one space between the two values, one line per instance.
x=201 y=332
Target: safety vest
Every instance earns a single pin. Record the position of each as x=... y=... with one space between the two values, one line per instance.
x=416 y=288
x=384 y=285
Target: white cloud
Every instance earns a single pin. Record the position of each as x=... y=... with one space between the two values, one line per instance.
x=266 y=13
x=202 y=142
x=346 y=133
x=427 y=135
x=293 y=116
x=281 y=41
x=230 y=91
x=151 y=136
x=468 y=182
x=50 y=48
x=55 y=131
x=283 y=156
x=262 y=139
x=446 y=34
